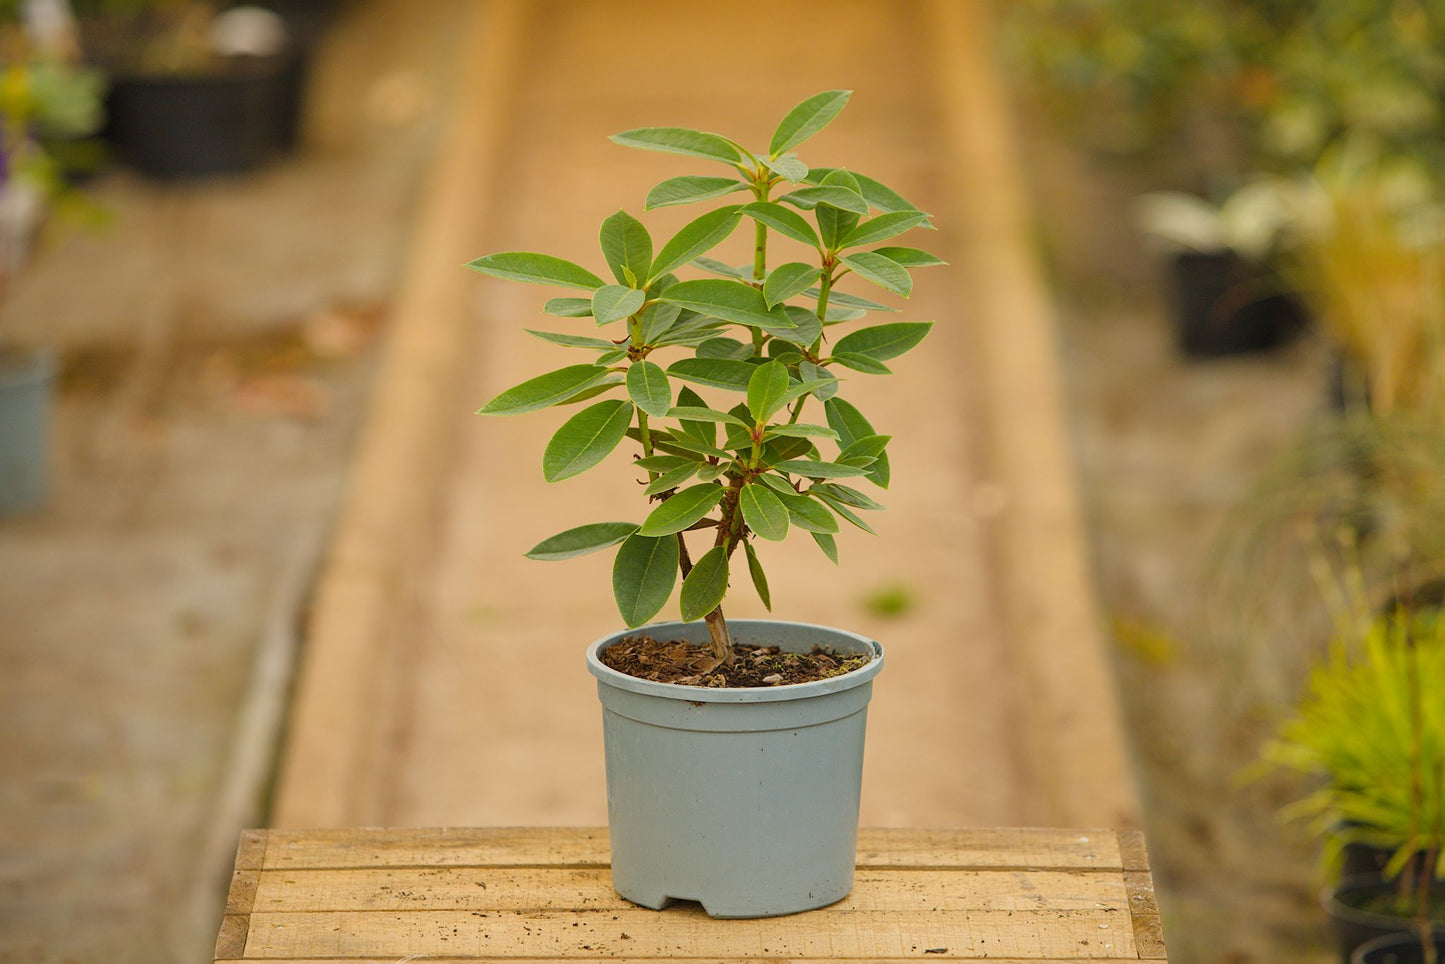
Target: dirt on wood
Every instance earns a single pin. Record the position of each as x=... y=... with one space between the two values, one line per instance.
x=688 y=664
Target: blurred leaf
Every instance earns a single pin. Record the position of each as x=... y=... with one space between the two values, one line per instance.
x=680 y=140
x=582 y=540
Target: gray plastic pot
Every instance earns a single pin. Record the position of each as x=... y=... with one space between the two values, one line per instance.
x=745 y=800
x=25 y=380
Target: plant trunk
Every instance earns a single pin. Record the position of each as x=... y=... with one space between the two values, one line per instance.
x=717 y=629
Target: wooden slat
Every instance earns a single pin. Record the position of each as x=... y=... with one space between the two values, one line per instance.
x=1144 y=909
x=235 y=924
x=687 y=931
x=565 y=888
x=1044 y=849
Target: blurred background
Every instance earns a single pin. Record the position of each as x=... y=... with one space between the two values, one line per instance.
x=259 y=565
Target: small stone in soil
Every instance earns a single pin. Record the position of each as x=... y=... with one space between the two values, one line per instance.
x=675 y=661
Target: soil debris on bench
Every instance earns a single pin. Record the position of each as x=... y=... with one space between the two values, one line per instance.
x=688 y=664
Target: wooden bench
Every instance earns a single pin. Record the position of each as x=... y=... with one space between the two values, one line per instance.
x=544 y=894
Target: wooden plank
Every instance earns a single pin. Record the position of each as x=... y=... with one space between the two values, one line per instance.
x=327 y=763
x=581 y=889
x=235 y=924
x=587 y=847
x=1144 y=909
x=1074 y=759
x=687 y=931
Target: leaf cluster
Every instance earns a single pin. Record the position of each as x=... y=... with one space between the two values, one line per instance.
x=710 y=374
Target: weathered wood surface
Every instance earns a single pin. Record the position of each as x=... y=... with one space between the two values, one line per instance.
x=544 y=894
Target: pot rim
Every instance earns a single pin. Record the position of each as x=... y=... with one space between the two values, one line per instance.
x=740 y=694
x=21 y=367
x=1338 y=909
x=1386 y=941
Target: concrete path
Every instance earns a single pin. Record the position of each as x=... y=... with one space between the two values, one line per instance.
x=444 y=681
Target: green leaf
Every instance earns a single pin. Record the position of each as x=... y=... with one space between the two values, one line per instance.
x=661 y=463
x=883 y=342
x=647 y=385
x=703 y=430
x=839 y=197
x=706 y=585
x=697 y=237
x=777 y=483
x=572 y=341
x=614 y=302
x=910 y=257
x=883 y=227
x=874 y=267
x=850 y=425
x=788 y=167
x=807 y=119
x=835 y=222
x=846 y=513
x=680 y=140
x=723 y=347
x=813 y=373
x=684 y=443
x=790 y=224
x=799 y=430
x=828 y=545
x=545 y=390
x=846 y=495
x=721 y=373
x=686 y=189
x=657 y=320
x=808 y=514
x=818 y=470
x=700 y=414
x=671 y=479
x=682 y=510
x=766 y=387
x=865 y=451
x=799 y=389
x=607 y=358
x=849 y=301
x=569 y=307
x=808 y=327
x=729 y=300
x=581 y=540
x=782 y=449
x=877 y=194
x=607 y=384
x=760 y=578
x=763 y=511
x=727 y=270
x=540 y=269
x=586 y=439
x=709 y=472
x=861 y=363
x=627 y=248
x=787 y=280
x=643 y=576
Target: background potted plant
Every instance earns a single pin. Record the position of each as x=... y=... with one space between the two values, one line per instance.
x=734 y=752
x=42 y=97
x=1372 y=731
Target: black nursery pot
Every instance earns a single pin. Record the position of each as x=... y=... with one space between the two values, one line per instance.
x=1396 y=949
x=189 y=126
x=1353 y=925
x=1225 y=305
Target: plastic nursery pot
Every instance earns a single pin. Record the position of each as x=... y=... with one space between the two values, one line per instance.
x=1354 y=925
x=188 y=126
x=1396 y=949
x=25 y=393
x=1225 y=305
x=745 y=800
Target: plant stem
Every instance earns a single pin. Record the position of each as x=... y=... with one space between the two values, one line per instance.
x=825 y=288
x=717 y=625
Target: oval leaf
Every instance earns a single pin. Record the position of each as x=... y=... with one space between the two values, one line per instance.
x=680 y=140
x=767 y=389
x=572 y=341
x=729 y=300
x=643 y=576
x=883 y=342
x=788 y=223
x=647 y=385
x=828 y=545
x=787 y=280
x=582 y=540
x=808 y=514
x=540 y=269
x=818 y=470
x=721 y=373
x=614 y=302
x=760 y=578
x=861 y=363
x=849 y=423
x=877 y=194
x=788 y=166
x=586 y=439
x=706 y=585
x=671 y=479
x=883 y=227
x=627 y=248
x=696 y=238
x=883 y=272
x=682 y=510
x=545 y=390
x=807 y=119
x=838 y=196
x=569 y=307
x=686 y=189
x=764 y=512
x=910 y=257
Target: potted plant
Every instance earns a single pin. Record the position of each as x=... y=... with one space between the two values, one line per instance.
x=1372 y=732
x=196 y=90
x=734 y=750
x=1227 y=297
x=41 y=97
